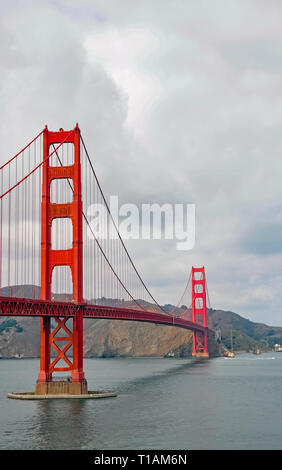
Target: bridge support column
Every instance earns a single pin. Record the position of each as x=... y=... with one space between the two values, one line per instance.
x=200 y=347
x=44 y=374
x=77 y=373
x=72 y=337
x=75 y=383
x=199 y=313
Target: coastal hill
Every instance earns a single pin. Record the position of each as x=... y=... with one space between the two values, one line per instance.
x=105 y=338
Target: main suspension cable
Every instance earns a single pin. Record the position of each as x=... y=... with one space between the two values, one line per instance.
x=117 y=231
x=34 y=169
x=99 y=245
x=21 y=151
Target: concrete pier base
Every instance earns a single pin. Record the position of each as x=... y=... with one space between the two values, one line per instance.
x=60 y=387
x=90 y=395
x=64 y=388
x=200 y=356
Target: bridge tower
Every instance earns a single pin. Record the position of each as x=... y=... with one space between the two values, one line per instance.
x=199 y=312
x=50 y=258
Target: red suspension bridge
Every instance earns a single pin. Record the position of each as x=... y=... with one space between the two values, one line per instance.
x=53 y=265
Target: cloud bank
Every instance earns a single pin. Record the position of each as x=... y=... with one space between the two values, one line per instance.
x=178 y=103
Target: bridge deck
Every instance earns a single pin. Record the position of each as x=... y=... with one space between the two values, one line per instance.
x=13 y=306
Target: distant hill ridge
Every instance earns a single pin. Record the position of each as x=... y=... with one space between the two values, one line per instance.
x=105 y=338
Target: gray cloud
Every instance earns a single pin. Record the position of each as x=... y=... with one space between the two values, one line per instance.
x=176 y=104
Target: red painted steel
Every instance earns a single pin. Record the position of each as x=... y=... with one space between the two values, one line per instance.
x=11 y=306
x=199 y=309
x=61 y=353
x=61 y=312
x=72 y=257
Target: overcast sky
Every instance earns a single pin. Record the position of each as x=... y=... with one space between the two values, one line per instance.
x=178 y=102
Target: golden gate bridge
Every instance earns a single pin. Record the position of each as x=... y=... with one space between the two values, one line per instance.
x=47 y=240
